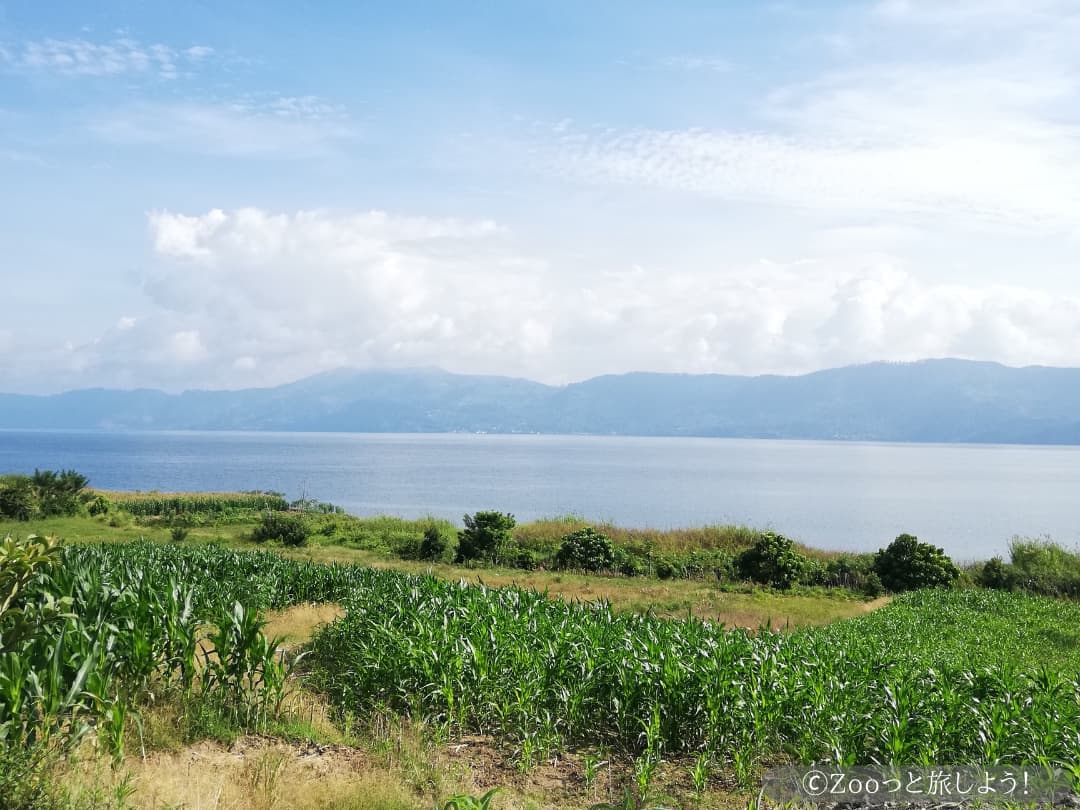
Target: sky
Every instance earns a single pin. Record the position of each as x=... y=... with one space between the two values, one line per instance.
x=233 y=193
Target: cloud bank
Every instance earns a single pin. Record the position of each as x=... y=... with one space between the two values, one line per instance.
x=249 y=296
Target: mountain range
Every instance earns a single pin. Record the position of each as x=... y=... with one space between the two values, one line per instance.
x=928 y=401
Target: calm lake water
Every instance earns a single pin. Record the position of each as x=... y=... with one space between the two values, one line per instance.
x=970 y=499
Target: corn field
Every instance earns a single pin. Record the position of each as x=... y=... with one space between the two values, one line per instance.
x=543 y=674
x=212 y=504
x=540 y=675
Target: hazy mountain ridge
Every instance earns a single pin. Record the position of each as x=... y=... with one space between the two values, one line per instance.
x=932 y=400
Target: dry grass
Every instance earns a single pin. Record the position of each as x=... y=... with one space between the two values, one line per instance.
x=296 y=624
x=398 y=767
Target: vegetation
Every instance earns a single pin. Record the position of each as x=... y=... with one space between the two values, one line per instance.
x=89 y=634
x=471 y=657
x=485 y=537
x=94 y=639
x=907 y=564
x=219 y=507
x=772 y=560
x=1035 y=566
x=46 y=493
x=586 y=550
x=287 y=528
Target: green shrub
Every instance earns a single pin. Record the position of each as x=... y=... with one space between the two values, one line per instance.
x=484 y=536
x=870 y=585
x=179 y=533
x=290 y=528
x=772 y=560
x=98 y=505
x=907 y=564
x=523 y=558
x=18 y=501
x=433 y=546
x=1037 y=566
x=586 y=550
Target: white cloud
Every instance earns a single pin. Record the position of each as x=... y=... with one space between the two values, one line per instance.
x=186 y=346
x=250 y=297
x=986 y=135
x=282 y=128
x=81 y=57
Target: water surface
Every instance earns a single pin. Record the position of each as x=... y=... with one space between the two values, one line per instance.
x=970 y=499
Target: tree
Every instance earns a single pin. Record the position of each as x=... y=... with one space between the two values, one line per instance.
x=484 y=536
x=772 y=560
x=907 y=564
x=434 y=545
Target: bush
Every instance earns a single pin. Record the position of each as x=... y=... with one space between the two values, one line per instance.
x=523 y=558
x=629 y=564
x=179 y=533
x=433 y=545
x=484 y=536
x=871 y=585
x=289 y=528
x=908 y=564
x=98 y=505
x=18 y=501
x=772 y=560
x=586 y=550
x=1037 y=566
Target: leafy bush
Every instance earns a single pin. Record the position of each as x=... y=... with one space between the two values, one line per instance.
x=908 y=564
x=18 y=501
x=433 y=546
x=484 y=536
x=1036 y=566
x=179 y=533
x=523 y=558
x=290 y=528
x=586 y=550
x=871 y=585
x=58 y=491
x=772 y=560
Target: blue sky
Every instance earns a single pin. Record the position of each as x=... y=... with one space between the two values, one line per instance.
x=231 y=194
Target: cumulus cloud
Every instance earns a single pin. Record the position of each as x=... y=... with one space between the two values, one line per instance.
x=123 y=55
x=250 y=297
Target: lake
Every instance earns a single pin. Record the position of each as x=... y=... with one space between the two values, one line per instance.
x=970 y=499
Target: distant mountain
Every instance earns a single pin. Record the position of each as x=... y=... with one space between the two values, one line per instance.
x=931 y=400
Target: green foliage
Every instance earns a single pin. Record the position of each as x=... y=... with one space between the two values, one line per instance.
x=98 y=505
x=484 y=536
x=586 y=550
x=18 y=500
x=287 y=528
x=931 y=677
x=433 y=546
x=907 y=564
x=179 y=533
x=772 y=560
x=1035 y=566
x=216 y=506
x=463 y=801
x=58 y=491
x=22 y=563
